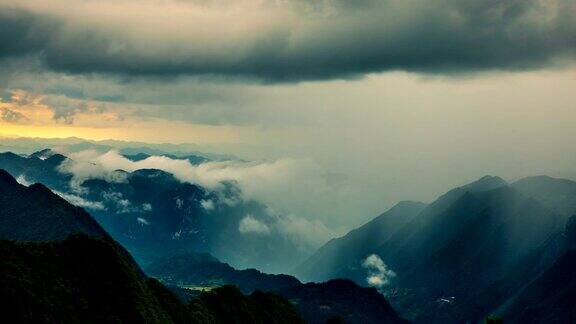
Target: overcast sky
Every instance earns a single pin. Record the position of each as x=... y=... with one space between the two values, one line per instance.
x=376 y=101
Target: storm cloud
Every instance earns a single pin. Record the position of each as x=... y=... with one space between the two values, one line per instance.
x=284 y=41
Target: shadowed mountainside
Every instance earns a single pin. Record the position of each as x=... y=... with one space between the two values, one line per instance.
x=463 y=255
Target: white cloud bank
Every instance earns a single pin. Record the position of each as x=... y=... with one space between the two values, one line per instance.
x=290 y=187
x=378 y=273
x=287 y=185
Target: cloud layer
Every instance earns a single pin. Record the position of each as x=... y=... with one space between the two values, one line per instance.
x=289 y=186
x=278 y=184
x=287 y=40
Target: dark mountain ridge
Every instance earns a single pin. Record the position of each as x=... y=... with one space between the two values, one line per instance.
x=315 y=302
x=34 y=213
x=201 y=269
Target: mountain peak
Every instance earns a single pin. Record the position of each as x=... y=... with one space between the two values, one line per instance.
x=485 y=183
x=409 y=204
x=42 y=154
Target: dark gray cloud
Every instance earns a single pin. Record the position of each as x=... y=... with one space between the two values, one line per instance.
x=301 y=41
x=23 y=32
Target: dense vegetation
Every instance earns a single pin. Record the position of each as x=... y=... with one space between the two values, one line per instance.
x=86 y=280
x=76 y=280
x=226 y=304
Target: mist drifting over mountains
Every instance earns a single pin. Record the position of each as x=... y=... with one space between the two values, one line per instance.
x=293 y=161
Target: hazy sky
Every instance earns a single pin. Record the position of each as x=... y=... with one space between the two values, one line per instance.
x=376 y=101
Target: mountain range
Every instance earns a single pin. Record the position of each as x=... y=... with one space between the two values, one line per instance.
x=316 y=302
x=154 y=214
x=461 y=257
x=59 y=265
x=487 y=249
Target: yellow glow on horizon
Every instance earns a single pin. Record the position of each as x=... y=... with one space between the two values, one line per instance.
x=37 y=120
x=11 y=130
x=142 y=131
